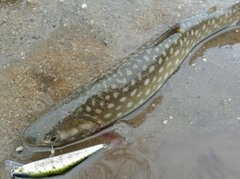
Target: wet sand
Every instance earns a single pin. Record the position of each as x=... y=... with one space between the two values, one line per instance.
x=189 y=131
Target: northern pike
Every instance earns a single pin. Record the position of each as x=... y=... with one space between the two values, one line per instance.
x=54 y=165
x=129 y=84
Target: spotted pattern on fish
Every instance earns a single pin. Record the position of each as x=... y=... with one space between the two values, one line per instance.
x=129 y=84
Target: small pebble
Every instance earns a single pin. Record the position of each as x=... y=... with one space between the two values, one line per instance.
x=165 y=122
x=91 y=22
x=105 y=42
x=224 y=101
x=19 y=149
x=204 y=59
x=84 y=6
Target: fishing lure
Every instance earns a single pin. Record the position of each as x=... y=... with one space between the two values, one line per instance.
x=53 y=165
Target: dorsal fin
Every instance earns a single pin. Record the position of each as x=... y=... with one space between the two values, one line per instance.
x=212 y=9
x=172 y=30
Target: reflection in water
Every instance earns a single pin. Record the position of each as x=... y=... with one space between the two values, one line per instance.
x=211 y=164
x=217 y=42
x=118 y=163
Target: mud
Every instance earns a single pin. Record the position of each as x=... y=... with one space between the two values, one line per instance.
x=47 y=49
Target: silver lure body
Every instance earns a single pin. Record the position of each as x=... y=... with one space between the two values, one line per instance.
x=129 y=84
x=54 y=165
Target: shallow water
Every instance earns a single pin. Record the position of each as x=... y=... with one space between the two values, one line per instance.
x=52 y=48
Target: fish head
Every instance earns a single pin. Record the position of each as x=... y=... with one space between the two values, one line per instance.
x=65 y=131
x=38 y=135
x=74 y=130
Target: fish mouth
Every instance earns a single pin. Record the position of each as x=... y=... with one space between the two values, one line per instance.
x=30 y=140
x=32 y=137
x=33 y=141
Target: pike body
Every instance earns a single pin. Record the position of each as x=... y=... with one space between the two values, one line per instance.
x=129 y=84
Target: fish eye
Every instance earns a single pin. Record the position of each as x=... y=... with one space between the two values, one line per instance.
x=52 y=138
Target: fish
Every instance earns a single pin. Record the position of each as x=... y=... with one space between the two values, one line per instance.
x=129 y=84
x=54 y=165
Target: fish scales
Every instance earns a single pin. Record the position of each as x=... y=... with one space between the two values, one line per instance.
x=129 y=84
